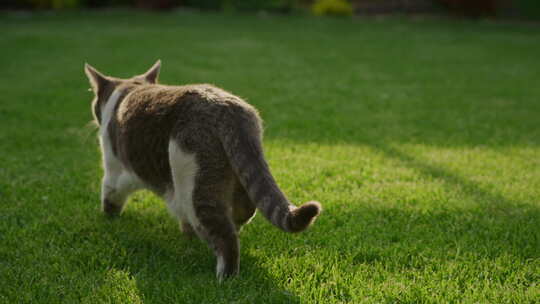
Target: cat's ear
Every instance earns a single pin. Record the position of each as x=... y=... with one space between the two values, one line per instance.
x=152 y=74
x=97 y=80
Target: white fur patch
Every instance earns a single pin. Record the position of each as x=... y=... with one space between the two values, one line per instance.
x=117 y=182
x=112 y=165
x=220 y=267
x=107 y=110
x=184 y=171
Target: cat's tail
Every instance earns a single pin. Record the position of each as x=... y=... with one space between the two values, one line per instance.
x=240 y=134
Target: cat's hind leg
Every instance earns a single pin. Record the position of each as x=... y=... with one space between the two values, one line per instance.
x=202 y=193
x=217 y=228
x=212 y=198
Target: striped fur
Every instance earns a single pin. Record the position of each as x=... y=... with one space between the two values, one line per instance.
x=197 y=146
x=240 y=130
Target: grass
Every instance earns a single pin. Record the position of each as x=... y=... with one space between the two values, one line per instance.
x=421 y=138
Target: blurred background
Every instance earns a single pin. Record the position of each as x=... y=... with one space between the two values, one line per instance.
x=516 y=9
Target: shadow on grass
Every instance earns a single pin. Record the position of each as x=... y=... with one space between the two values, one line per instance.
x=473 y=190
x=168 y=266
x=491 y=227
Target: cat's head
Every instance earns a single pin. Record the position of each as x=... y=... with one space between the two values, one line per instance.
x=104 y=86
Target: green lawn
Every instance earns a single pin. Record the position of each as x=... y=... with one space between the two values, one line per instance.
x=421 y=138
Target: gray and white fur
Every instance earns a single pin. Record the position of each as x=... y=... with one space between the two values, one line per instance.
x=198 y=147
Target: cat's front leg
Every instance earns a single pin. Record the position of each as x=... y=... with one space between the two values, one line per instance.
x=115 y=190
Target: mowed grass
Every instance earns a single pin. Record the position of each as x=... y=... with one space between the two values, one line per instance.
x=421 y=139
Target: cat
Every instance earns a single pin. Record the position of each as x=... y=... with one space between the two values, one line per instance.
x=196 y=146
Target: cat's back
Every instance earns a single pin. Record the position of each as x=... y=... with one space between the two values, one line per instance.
x=160 y=100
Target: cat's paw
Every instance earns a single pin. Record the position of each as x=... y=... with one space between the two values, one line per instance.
x=111 y=209
x=225 y=270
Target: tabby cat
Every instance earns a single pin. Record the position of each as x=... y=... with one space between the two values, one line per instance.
x=196 y=146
